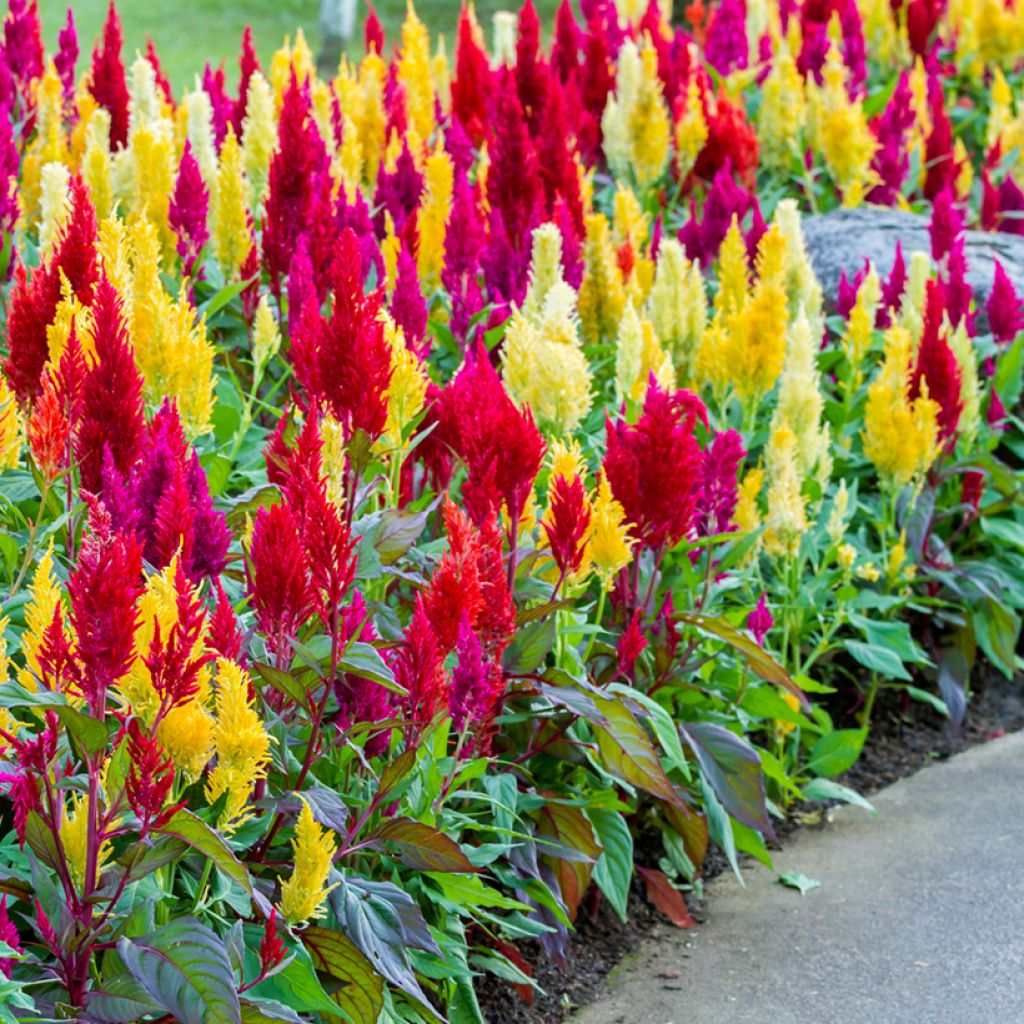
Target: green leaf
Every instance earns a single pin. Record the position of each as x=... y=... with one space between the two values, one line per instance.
x=222 y=297
x=733 y=769
x=365 y=662
x=827 y=789
x=837 y=751
x=614 y=868
x=184 y=967
x=926 y=697
x=283 y=682
x=470 y=891
x=759 y=660
x=361 y=995
x=120 y=999
x=794 y=880
x=14 y=695
x=626 y=750
x=89 y=733
x=877 y=659
x=530 y=647
x=421 y=846
x=197 y=834
x=296 y=985
x=267 y=1011
x=398 y=530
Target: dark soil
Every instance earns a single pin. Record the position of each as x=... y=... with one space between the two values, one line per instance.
x=904 y=738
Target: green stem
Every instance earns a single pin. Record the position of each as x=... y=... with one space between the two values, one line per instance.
x=597 y=622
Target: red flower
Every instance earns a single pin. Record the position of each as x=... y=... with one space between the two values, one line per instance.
x=278 y=585
x=343 y=361
x=419 y=668
x=272 y=949
x=248 y=64
x=631 y=645
x=8 y=935
x=473 y=81
x=1005 y=308
x=111 y=418
x=150 y=778
x=937 y=366
x=49 y=431
x=568 y=523
x=188 y=209
x=500 y=444
x=104 y=587
x=225 y=636
x=107 y=80
x=172 y=661
x=654 y=467
x=455 y=589
x=716 y=501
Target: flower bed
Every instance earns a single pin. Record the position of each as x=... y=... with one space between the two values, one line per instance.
x=418 y=484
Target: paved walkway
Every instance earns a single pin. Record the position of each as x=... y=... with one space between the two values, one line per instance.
x=919 y=918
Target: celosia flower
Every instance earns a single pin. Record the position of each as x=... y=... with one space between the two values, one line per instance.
x=408 y=307
x=937 y=366
x=1005 y=308
x=610 y=547
x=567 y=522
x=419 y=669
x=175 y=661
x=468 y=689
x=107 y=79
x=500 y=444
x=344 y=361
x=725 y=48
x=760 y=620
x=276 y=576
x=313 y=848
x=150 y=779
x=945 y=226
x=9 y=936
x=786 y=521
x=716 y=501
x=110 y=416
x=653 y=467
x=232 y=231
x=188 y=210
x=103 y=588
x=241 y=745
x=900 y=434
x=631 y=645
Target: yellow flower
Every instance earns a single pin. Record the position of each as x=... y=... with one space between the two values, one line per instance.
x=259 y=137
x=842 y=130
x=152 y=183
x=10 y=427
x=414 y=75
x=544 y=366
x=638 y=354
x=53 y=203
x=691 y=130
x=836 y=527
x=846 y=556
x=74 y=837
x=733 y=272
x=800 y=402
x=900 y=434
x=567 y=463
x=748 y=516
x=186 y=733
x=787 y=517
x=432 y=219
x=678 y=304
x=783 y=727
x=313 y=848
x=232 y=234
x=611 y=547
x=602 y=294
x=241 y=745
x=372 y=119
x=96 y=164
x=635 y=122
x=783 y=111
x=45 y=598
x=266 y=338
x=545 y=269
x=408 y=388
x=868 y=572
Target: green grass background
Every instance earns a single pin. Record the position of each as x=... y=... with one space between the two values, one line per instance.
x=187 y=33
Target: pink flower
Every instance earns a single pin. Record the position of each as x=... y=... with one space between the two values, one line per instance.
x=1005 y=308
x=716 y=501
x=187 y=212
x=760 y=620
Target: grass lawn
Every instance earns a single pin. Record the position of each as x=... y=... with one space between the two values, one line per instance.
x=190 y=32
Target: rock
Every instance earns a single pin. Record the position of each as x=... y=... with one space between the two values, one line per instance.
x=840 y=240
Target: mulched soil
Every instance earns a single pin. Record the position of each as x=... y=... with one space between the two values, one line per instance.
x=904 y=738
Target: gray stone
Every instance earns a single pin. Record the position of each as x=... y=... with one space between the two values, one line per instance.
x=840 y=240
x=917 y=920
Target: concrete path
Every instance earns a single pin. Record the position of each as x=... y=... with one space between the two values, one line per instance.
x=919 y=918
